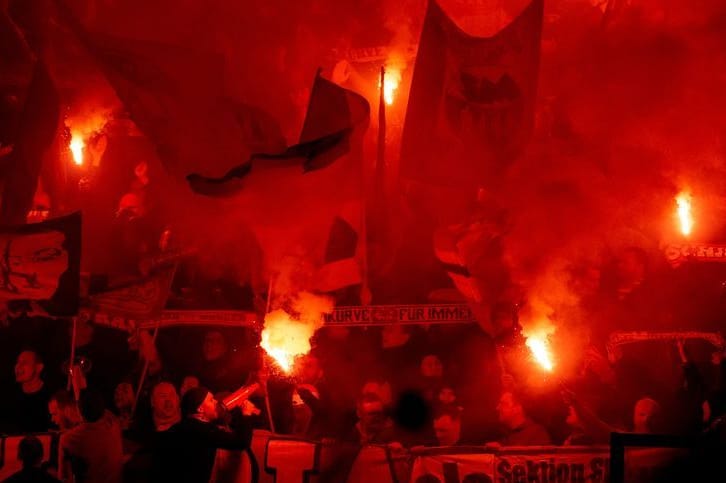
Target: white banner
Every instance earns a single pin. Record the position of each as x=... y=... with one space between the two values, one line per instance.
x=341 y=316
x=400 y=314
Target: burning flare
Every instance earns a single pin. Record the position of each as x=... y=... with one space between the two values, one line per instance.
x=284 y=338
x=685 y=217
x=392 y=79
x=77 y=144
x=539 y=345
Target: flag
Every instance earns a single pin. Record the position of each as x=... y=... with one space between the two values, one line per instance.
x=471 y=104
x=334 y=118
x=470 y=253
x=230 y=182
x=447 y=251
x=138 y=299
x=37 y=129
x=340 y=267
x=41 y=262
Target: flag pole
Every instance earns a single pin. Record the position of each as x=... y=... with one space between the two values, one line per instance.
x=72 y=361
x=378 y=188
x=268 y=409
x=145 y=369
x=381 y=157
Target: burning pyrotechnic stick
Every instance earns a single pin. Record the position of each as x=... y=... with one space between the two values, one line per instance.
x=683 y=212
x=238 y=397
x=390 y=81
x=539 y=346
x=77 y=145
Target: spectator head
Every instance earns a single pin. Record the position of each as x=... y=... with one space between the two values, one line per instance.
x=380 y=389
x=645 y=415
x=447 y=426
x=573 y=420
x=123 y=397
x=188 y=383
x=28 y=367
x=64 y=410
x=30 y=452
x=165 y=405
x=215 y=346
x=371 y=412
x=447 y=395
x=308 y=369
x=631 y=266
x=91 y=405
x=198 y=401
x=431 y=367
x=394 y=335
x=511 y=411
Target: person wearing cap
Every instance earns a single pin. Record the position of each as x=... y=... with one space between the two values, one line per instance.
x=187 y=450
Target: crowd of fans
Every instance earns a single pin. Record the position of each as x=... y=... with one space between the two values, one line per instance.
x=356 y=387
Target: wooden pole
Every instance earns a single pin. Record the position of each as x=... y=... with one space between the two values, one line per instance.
x=144 y=371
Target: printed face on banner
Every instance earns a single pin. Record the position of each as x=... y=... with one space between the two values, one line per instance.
x=31 y=265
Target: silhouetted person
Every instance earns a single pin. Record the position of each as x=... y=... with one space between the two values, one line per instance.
x=93 y=448
x=30 y=452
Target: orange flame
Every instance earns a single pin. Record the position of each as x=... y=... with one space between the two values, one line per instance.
x=539 y=346
x=392 y=80
x=284 y=338
x=685 y=217
x=76 y=146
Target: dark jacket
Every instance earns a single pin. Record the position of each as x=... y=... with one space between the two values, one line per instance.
x=186 y=452
x=31 y=475
x=528 y=434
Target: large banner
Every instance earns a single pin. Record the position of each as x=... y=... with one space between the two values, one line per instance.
x=40 y=262
x=471 y=103
x=513 y=465
x=280 y=459
x=289 y=460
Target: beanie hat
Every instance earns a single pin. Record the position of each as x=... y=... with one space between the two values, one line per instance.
x=192 y=399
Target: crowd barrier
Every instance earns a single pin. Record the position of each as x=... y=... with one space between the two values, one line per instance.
x=279 y=459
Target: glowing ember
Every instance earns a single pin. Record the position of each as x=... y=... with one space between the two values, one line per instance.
x=685 y=217
x=390 y=84
x=77 y=145
x=284 y=339
x=539 y=346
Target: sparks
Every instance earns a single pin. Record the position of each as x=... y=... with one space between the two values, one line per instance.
x=77 y=144
x=540 y=351
x=685 y=217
